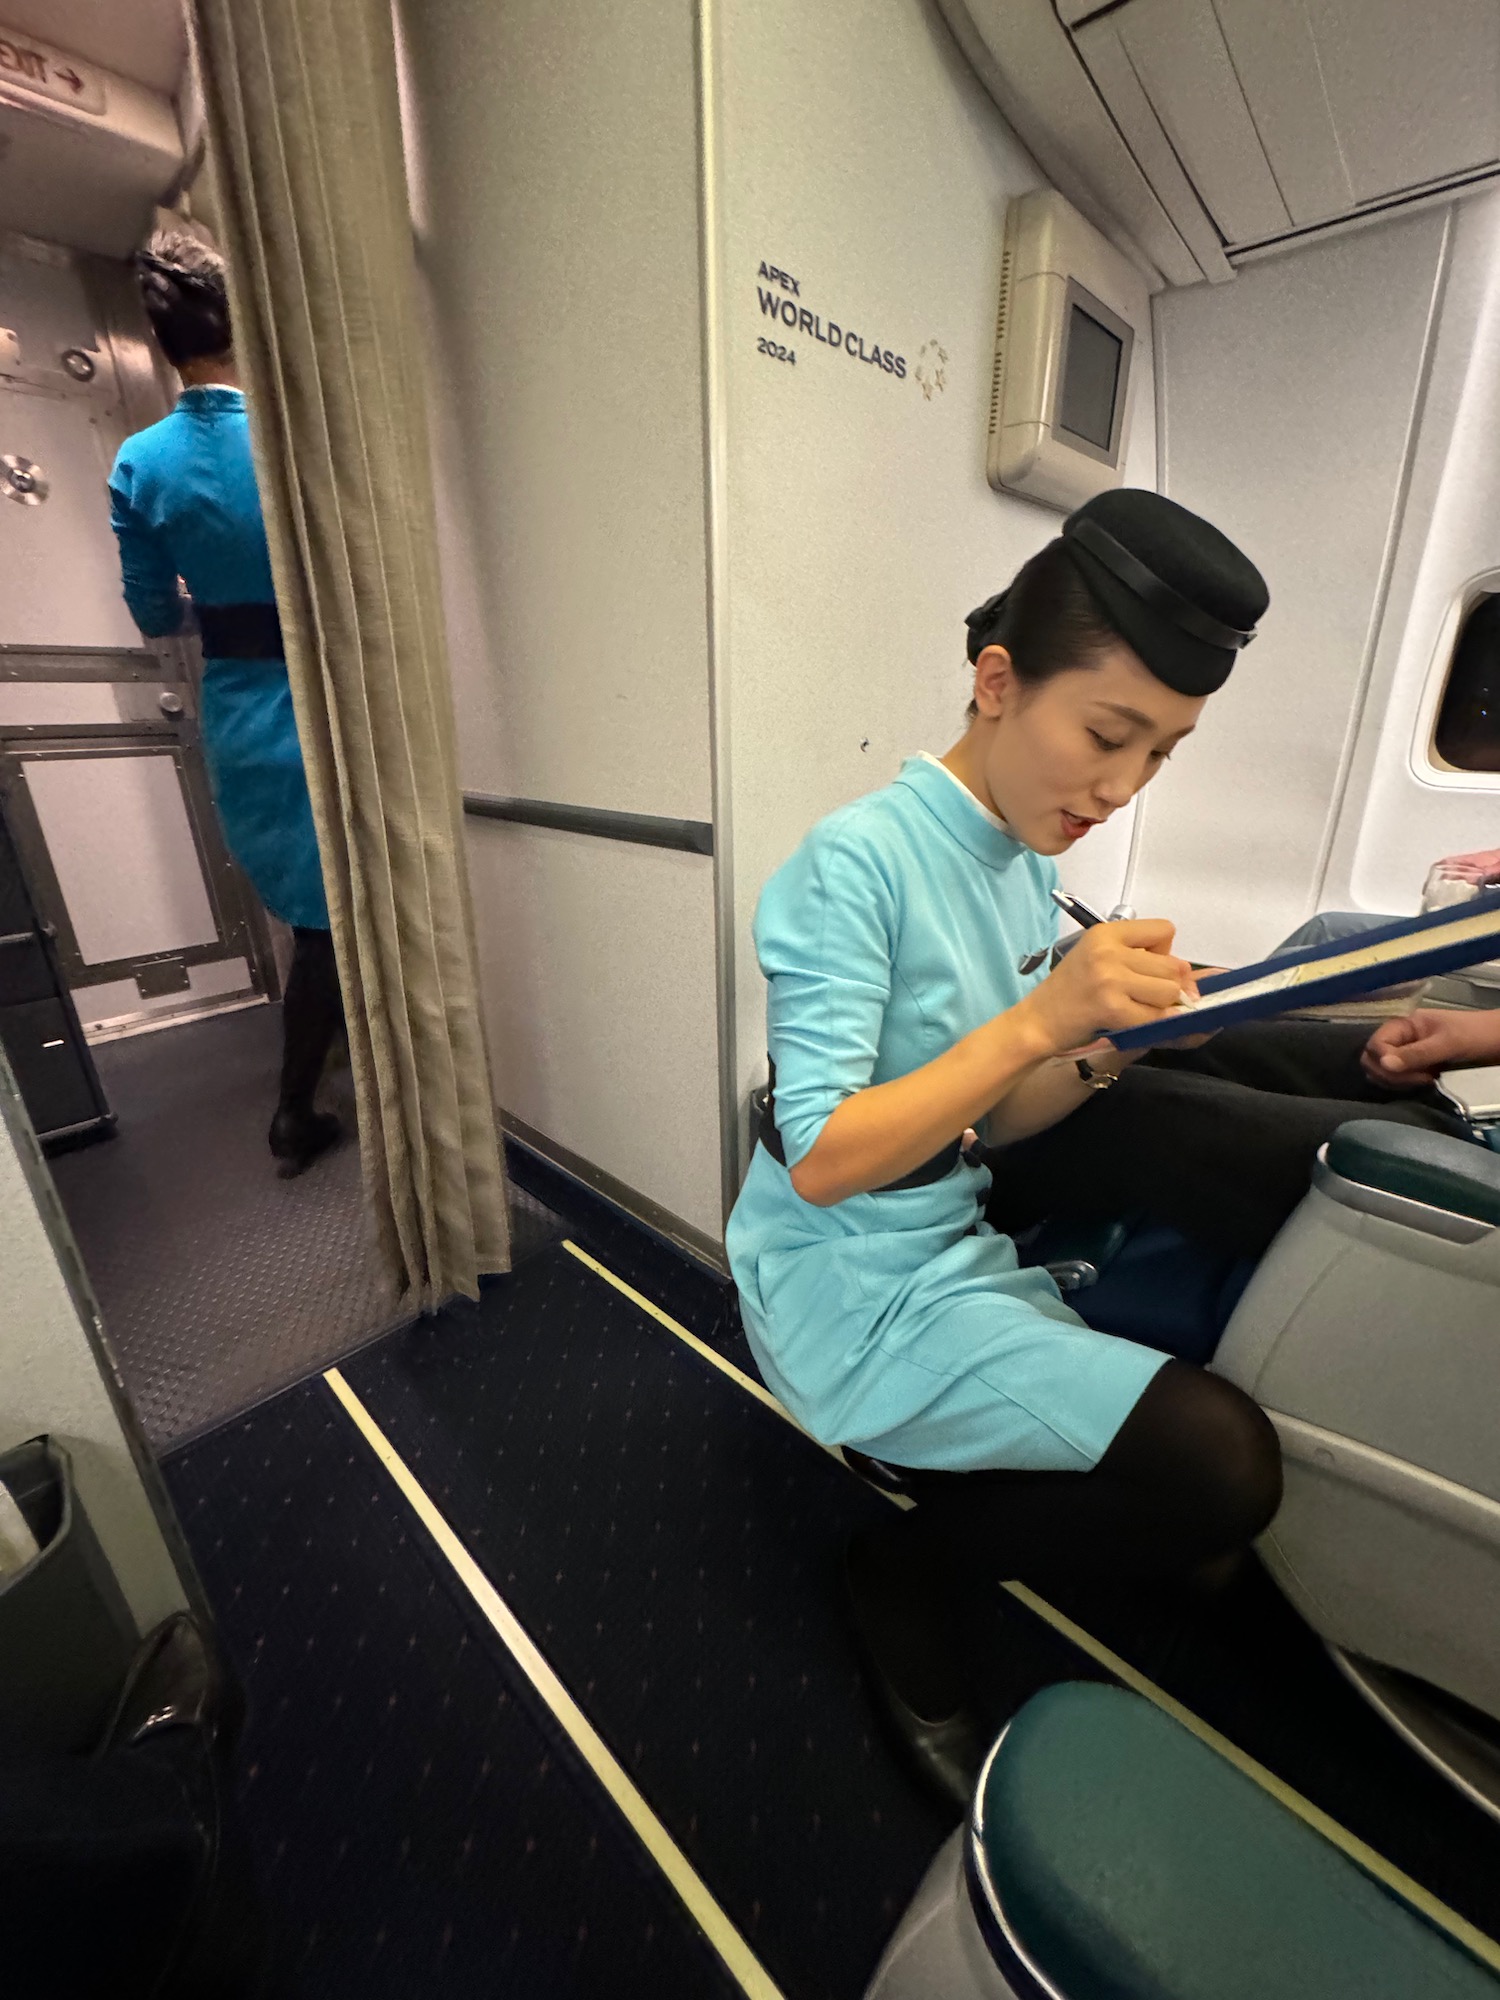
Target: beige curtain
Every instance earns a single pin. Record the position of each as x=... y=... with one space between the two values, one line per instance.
x=310 y=195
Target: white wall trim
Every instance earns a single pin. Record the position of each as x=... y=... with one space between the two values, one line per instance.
x=1357 y=707
x=716 y=579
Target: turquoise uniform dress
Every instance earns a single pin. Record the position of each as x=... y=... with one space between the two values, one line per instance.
x=184 y=503
x=891 y=1321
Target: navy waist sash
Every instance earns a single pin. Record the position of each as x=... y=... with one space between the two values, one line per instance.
x=240 y=631
x=763 y=1111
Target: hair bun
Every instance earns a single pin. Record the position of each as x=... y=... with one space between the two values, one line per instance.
x=182 y=285
x=981 y=623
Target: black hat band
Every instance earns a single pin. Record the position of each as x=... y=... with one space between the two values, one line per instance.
x=1151 y=590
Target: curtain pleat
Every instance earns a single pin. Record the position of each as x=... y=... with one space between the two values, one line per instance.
x=311 y=199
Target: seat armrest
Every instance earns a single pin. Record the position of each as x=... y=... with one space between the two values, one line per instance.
x=1448 y=1175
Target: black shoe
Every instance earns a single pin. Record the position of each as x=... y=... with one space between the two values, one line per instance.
x=874 y=1471
x=298 y=1137
x=944 y=1753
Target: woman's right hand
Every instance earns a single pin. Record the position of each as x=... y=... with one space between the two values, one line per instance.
x=1116 y=976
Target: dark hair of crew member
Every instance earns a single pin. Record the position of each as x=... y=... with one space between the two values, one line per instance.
x=186 y=296
x=1047 y=620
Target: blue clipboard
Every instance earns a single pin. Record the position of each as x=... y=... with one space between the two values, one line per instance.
x=1428 y=956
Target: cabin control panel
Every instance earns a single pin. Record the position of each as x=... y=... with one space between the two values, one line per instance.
x=1073 y=313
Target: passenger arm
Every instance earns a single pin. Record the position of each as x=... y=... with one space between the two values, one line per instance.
x=1413 y=1050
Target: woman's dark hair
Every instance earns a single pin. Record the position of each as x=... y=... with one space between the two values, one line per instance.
x=1048 y=620
x=185 y=296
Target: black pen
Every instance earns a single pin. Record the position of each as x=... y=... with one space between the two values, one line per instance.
x=1082 y=915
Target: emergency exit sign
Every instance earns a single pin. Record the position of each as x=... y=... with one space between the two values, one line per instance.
x=46 y=72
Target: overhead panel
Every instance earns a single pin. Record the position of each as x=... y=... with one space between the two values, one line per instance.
x=1266 y=118
x=1179 y=58
x=1120 y=85
x=1413 y=88
x=1275 y=57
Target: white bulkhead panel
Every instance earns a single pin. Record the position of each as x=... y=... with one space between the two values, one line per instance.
x=605 y=651
x=553 y=162
x=1289 y=405
x=860 y=526
x=1402 y=810
x=120 y=840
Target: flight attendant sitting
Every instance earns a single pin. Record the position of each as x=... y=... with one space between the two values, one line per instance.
x=184 y=504
x=882 y=1309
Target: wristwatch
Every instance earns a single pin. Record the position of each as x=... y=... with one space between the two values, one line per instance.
x=1096 y=1079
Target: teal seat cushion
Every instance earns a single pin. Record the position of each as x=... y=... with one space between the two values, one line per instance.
x=1424 y=1166
x=1129 y=1861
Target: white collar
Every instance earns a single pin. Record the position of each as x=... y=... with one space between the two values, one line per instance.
x=953 y=778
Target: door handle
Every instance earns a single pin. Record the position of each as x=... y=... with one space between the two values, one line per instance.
x=170 y=704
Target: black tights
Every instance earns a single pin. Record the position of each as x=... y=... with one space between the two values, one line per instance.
x=1194 y=1473
x=312 y=1012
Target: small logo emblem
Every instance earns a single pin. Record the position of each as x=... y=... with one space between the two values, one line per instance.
x=932 y=368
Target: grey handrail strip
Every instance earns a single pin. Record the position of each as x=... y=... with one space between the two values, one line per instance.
x=689 y=836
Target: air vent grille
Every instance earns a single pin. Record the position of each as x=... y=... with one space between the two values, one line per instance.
x=1001 y=316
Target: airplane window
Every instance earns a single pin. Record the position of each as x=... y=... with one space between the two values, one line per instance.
x=1467 y=735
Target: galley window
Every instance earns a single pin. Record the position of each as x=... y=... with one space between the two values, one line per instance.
x=1466 y=735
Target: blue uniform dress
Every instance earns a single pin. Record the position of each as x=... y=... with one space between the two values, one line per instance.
x=887 y=1321
x=184 y=503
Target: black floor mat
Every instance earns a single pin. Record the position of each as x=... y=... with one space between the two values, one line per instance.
x=420 y=1829
x=218 y=1282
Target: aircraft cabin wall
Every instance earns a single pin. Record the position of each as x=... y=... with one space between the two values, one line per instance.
x=554 y=173
x=863 y=160
x=1335 y=409
x=606 y=651
x=54 y=1377
x=1401 y=808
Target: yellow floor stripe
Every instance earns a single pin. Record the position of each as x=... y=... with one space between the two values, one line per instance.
x=737 y=1956
x=736 y=1375
x=1369 y=1859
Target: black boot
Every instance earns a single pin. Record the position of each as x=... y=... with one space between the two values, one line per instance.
x=903 y=1634
x=298 y=1137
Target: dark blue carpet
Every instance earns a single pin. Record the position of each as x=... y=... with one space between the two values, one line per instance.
x=682 y=1578
x=420 y=1829
x=699 y=1298
x=672 y=1547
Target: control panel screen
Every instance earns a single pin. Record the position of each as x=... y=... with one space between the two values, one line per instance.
x=1091 y=380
